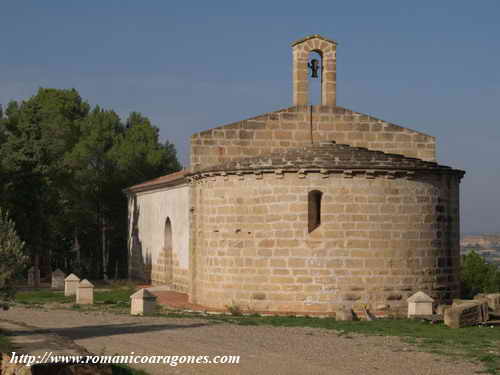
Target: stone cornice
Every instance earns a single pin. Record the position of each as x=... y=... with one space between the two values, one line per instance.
x=325 y=173
x=314 y=36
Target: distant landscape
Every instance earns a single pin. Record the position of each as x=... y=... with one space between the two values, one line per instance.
x=486 y=245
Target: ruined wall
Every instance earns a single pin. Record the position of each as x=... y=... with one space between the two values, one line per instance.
x=380 y=240
x=150 y=258
x=298 y=127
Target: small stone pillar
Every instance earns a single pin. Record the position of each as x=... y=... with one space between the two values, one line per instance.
x=34 y=277
x=85 y=293
x=419 y=304
x=142 y=303
x=71 y=284
x=58 y=282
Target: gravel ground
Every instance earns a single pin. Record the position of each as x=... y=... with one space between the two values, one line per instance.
x=263 y=349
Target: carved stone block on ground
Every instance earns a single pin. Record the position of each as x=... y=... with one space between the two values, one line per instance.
x=85 y=293
x=71 y=284
x=58 y=281
x=466 y=314
x=419 y=304
x=142 y=303
x=493 y=300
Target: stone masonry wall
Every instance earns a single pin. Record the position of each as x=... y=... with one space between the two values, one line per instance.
x=162 y=269
x=299 y=127
x=380 y=240
x=181 y=276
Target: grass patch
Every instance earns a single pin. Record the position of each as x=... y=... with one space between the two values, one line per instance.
x=115 y=296
x=41 y=296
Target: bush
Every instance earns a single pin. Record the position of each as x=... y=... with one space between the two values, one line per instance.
x=12 y=259
x=234 y=309
x=478 y=276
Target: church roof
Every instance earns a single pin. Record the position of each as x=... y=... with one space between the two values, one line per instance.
x=329 y=155
x=167 y=180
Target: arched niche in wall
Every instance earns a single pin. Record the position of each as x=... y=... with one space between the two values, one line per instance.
x=168 y=252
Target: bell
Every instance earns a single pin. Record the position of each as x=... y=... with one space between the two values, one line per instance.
x=314 y=66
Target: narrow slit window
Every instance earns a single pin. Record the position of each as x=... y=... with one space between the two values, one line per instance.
x=314 y=209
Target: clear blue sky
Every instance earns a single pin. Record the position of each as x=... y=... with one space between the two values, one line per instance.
x=433 y=66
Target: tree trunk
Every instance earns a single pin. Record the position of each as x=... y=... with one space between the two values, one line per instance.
x=104 y=250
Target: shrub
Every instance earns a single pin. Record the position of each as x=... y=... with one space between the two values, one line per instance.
x=12 y=258
x=234 y=309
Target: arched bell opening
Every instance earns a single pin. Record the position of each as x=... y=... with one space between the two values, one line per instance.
x=315 y=77
x=314 y=83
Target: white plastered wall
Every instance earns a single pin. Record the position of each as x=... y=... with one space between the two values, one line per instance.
x=154 y=207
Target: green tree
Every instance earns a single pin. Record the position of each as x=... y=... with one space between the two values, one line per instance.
x=109 y=157
x=138 y=153
x=95 y=180
x=12 y=258
x=62 y=171
x=37 y=134
x=477 y=276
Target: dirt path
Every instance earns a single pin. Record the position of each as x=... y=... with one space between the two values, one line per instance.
x=263 y=350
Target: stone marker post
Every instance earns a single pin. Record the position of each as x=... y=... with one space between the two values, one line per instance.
x=31 y=276
x=71 y=284
x=142 y=303
x=58 y=282
x=34 y=277
x=419 y=304
x=85 y=293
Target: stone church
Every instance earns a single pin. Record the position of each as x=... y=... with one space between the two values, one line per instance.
x=302 y=210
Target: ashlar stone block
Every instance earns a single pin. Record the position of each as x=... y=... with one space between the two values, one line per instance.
x=465 y=314
x=493 y=300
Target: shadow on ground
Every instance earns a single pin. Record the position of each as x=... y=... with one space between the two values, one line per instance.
x=84 y=332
